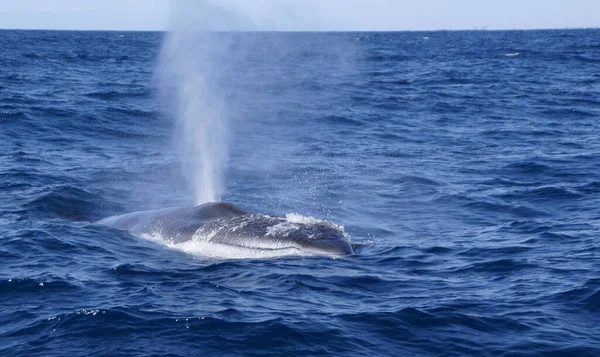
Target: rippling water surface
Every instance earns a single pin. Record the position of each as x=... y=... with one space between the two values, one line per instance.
x=463 y=165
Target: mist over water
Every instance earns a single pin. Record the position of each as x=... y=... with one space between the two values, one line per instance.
x=186 y=73
x=203 y=57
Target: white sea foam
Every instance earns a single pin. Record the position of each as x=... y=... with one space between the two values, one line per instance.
x=200 y=245
x=294 y=221
x=298 y=218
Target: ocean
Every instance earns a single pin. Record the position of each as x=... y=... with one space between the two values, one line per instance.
x=464 y=167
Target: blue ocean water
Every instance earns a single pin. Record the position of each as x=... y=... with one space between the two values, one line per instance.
x=463 y=165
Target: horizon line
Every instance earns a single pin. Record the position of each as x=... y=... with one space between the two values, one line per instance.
x=482 y=29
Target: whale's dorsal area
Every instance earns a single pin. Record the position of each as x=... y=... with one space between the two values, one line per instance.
x=176 y=223
x=225 y=223
x=218 y=210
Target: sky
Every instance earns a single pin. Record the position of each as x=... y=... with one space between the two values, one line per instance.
x=311 y=15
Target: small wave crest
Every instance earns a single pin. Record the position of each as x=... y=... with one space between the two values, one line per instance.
x=71 y=203
x=114 y=94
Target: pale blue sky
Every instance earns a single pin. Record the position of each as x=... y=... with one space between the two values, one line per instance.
x=357 y=15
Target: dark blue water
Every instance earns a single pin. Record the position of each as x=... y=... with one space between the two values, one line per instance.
x=464 y=166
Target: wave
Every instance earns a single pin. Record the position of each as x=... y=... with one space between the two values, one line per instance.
x=32 y=55
x=342 y=120
x=388 y=58
x=17 y=287
x=479 y=252
x=568 y=113
x=527 y=167
x=134 y=112
x=448 y=329
x=586 y=296
x=161 y=334
x=547 y=193
x=362 y=333
x=18 y=179
x=588 y=188
x=587 y=59
x=15 y=77
x=9 y=115
x=504 y=266
x=72 y=203
x=392 y=82
x=517 y=210
x=113 y=94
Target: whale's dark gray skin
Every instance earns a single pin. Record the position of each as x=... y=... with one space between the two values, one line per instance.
x=225 y=223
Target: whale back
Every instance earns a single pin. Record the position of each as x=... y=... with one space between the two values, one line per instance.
x=176 y=224
x=217 y=210
x=225 y=223
x=265 y=232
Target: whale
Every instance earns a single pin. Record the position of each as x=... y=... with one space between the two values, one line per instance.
x=225 y=223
